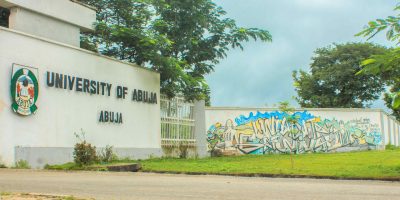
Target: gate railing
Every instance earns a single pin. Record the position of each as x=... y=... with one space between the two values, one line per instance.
x=177 y=122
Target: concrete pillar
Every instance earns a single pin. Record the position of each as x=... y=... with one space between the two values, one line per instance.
x=58 y=20
x=43 y=26
x=200 y=128
x=383 y=132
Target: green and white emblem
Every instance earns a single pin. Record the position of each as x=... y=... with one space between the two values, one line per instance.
x=24 y=89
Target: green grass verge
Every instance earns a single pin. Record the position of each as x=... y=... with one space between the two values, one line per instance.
x=359 y=165
x=368 y=164
x=94 y=167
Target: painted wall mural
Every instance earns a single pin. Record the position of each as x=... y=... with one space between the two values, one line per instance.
x=274 y=132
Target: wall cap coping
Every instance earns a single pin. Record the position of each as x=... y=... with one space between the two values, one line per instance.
x=75 y=48
x=309 y=109
x=298 y=109
x=84 y=20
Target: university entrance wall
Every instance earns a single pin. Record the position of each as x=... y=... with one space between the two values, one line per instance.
x=49 y=91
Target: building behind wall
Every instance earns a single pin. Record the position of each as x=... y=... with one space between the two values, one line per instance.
x=51 y=89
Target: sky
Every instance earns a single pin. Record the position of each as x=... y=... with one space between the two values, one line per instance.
x=261 y=75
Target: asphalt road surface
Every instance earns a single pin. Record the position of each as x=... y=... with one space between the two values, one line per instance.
x=121 y=185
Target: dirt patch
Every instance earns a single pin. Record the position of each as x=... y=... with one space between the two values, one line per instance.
x=33 y=196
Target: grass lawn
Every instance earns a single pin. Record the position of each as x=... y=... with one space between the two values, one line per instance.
x=367 y=164
x=94 y=167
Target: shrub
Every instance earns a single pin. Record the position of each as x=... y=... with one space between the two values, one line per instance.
x=84 y=153
x=216 y=153
x=2 y=165
x=390 y=147
x=22 y=164
x=107 y=155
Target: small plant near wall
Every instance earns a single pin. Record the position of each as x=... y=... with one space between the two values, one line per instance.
x=2 y=165
x=84 y=152
x=183 y=150
x=179 y=150
x=390 y=147
x=107 y=155
x=22 y=164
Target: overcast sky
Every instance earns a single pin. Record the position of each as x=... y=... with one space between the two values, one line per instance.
x=262 y=74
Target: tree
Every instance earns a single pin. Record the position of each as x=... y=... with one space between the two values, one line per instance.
x=390 y=98
x=181 y=39
x=4 y=14
x=331 y=81
x=386 y=65
x=291 y=120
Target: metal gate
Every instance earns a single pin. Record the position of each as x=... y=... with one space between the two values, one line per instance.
x=177 y=122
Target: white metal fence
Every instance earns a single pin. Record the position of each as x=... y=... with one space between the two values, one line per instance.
x=177 y=122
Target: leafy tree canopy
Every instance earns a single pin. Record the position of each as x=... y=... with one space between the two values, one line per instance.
x=181 y=39
x=331 y=82
x=386 y=65
x=4 y=14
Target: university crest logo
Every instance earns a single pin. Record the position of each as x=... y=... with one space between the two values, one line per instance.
x=24 y=89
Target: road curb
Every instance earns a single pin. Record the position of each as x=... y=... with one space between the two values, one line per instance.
x=397 y=179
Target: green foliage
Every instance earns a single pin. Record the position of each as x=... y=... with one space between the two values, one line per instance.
x=391 y=147
x=368 y=164
x=331 y=82
x=285 y=107
x=101 y=166
x=67 y=166
x=291 y=119
x=5 y=193
x=22 y=164
x=4 y=15
x=392 y=99
x=69 y=198
x=107 y=155
x=391 y=24
x=87 y=44
x=386 y=65
x=181 y=39
x=84 y=153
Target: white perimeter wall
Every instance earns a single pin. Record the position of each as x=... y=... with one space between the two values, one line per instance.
x=387 y=124
x=63 y=112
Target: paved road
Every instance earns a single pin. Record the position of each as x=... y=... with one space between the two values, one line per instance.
x=108 y=185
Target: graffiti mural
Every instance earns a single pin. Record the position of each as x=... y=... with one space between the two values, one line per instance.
x=274 y=132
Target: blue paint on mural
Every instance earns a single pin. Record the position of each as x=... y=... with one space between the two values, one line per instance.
x=270 y=132
x=301 y=116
